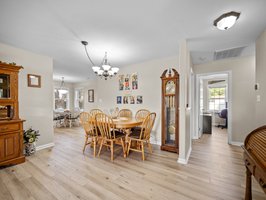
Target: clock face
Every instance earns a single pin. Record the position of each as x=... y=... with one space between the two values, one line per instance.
x=170 y=87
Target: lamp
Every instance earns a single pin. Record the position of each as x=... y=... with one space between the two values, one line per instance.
x=62 y=90
x=106 y=70
x=226 y=20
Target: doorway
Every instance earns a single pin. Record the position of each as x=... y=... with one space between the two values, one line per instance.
x=213 y=103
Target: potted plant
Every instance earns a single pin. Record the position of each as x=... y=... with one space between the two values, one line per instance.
x=30 y=137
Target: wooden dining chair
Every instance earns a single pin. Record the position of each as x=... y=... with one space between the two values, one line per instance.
x=125 y=113
x=89 y=125
x=110 y=136
x=95 y=111
x=140 y=116
x=143 y=136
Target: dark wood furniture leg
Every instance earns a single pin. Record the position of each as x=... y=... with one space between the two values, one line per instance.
x=248 y=185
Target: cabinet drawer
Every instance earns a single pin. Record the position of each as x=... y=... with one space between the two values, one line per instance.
x=9 y=127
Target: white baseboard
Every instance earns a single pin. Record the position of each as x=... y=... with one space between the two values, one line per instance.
x=237 y=143
x=185 y=161
x=156 y=142
x=38 y=148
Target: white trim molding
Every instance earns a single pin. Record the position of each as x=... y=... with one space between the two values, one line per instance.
x=237 y=143
x=185 y=161
x=45 y=146
x=156 y=142
x=228 y=73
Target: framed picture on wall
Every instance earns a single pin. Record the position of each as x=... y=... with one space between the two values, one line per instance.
x=139 y=99
x=91 y=95
x=121 y=82
x=119 y=99
x=127 y=82
x=132 y=100
x=34 y=80
x=125 y=100
x=134 y=81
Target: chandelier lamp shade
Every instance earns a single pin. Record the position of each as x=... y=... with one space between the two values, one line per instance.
x=226 y=20
x=62 y=89
x=105 y=69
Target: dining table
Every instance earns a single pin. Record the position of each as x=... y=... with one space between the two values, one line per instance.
x=125 y=124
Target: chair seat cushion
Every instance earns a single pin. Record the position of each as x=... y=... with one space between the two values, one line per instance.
x=59 y=118
x=119 y=134
x=72 y=117
x=135 y=134
x=137 y=128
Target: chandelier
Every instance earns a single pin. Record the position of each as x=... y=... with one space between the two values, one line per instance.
x=62 y=89
x=105 y=70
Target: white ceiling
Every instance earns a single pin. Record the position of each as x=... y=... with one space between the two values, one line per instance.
x=130 y=31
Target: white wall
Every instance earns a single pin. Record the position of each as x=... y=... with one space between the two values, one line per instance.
x=85 y=86
x=261 y=79
x=35 y=104
x=184 y=103
x=205 y=95
x=70 y=87
x=243 y=94
x=149 y=87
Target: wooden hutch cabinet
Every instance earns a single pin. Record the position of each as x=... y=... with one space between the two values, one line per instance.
x=170 y=112
x=11 y=126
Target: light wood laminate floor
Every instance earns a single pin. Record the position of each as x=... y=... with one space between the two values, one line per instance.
x=215 y=171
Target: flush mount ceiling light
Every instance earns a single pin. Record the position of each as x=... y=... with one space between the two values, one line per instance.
x=105 y=70
x=226 y=20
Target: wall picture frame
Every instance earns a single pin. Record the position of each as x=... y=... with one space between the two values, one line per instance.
x=132 y=99
x=134 y=81
x=125 y=99
x=139 y=99
x=119 y=99
x=121 y=82
x=127 y=82
x=91 y=96
x=34 y=80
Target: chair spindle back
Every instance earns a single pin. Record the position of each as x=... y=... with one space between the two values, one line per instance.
x=147 y=126
x=105 y=125
x=141 y=114
x=125 y=113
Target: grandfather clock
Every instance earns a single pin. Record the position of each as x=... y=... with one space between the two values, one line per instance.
x=170 y=105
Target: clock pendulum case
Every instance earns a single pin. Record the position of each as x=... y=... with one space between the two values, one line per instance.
x=170 y=111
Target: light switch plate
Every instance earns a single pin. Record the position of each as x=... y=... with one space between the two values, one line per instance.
x=258 y=98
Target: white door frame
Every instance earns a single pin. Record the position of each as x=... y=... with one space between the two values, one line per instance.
x=229 y=103
x=192 y=90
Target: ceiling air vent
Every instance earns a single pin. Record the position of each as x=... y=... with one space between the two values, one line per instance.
x=228 y=53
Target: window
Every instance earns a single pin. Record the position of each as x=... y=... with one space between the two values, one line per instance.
x=61 y=100
x=217 y=98
x=79 y=99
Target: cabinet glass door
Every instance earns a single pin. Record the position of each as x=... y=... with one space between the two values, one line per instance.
x=170 y=120
x=4 y=86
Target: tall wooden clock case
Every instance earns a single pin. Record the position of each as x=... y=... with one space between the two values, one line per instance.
x=170 y=112
x=11 y=126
